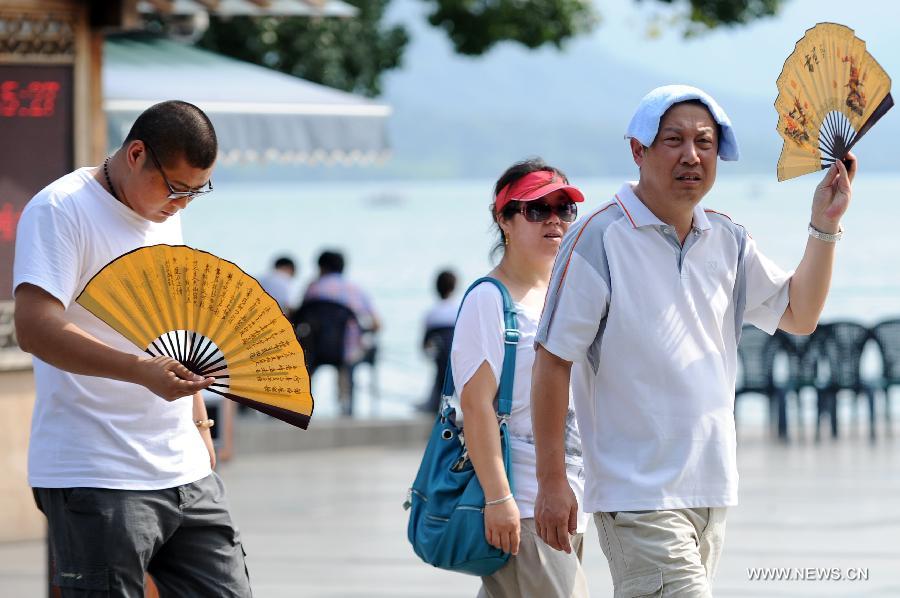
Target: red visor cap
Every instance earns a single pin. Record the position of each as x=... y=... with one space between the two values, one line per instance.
x=535 y=185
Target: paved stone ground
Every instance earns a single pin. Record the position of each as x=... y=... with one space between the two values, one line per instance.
x=329 y=524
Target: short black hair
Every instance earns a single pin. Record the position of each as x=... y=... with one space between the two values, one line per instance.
x=331 y=262
x=176 y=129
x=284 y=262
x=445 y=283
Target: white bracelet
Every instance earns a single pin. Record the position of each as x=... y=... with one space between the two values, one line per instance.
x=499 y=501
x=827 y=237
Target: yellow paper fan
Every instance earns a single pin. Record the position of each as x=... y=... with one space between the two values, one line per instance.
x=211 y=316
x=830 y=92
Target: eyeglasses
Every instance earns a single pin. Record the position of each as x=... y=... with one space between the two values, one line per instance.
x=173 y=194
x=540 y=211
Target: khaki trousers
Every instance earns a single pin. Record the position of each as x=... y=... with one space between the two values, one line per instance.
x=662 y=553
x=538 y=571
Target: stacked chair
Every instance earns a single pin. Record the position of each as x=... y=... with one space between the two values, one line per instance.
x=827 y=363
x=843 y=344
x=757 y=353
x=887 y=337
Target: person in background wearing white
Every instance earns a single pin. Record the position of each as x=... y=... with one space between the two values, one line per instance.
x=443 y=313
x=279 y=283
x=439 y=322
x=533 y=207
x=648 y=298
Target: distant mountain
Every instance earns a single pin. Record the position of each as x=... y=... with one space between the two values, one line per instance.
x=464 y=117
x=460 y=117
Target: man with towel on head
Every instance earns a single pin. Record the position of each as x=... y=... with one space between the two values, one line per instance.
x=647 y=299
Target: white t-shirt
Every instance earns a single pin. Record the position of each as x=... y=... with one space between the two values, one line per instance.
x=442 y=313
x=280 y=286
x=478 y=337
x=654 y=326
x=90 y=431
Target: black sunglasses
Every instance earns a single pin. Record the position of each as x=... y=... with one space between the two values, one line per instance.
x=173 y=194
x=540 y=211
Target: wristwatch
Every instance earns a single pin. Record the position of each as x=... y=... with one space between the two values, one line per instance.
x=827 y=237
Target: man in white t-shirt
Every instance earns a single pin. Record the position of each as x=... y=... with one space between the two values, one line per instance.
x=120 y=456
x=648 y=297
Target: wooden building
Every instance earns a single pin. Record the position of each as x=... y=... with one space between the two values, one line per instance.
x=51 y=120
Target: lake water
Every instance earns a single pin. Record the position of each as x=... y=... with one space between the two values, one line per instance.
x=396 y=236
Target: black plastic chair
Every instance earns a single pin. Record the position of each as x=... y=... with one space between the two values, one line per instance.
x=436 y=344
x=321 y=328
x=370 y=358
x=843 y=348
x=887 y=338
x=803 y=353
x=808 y=368
x=757 y=352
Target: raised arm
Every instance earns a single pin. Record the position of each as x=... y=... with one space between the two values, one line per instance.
x=43 y=330
x=812 y=279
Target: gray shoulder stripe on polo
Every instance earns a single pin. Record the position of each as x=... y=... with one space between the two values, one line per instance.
x=588 y=244
x=740 y=285
x=739 y=294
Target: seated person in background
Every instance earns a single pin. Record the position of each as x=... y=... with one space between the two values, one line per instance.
x=439 y=323
x=279 y=283
x=331 y=285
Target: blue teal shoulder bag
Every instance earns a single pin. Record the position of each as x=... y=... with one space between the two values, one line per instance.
x=446 y=502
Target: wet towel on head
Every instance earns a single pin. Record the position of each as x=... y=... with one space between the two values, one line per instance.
x=645 y=123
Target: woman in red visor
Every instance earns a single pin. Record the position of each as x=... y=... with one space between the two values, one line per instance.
x=533 y=207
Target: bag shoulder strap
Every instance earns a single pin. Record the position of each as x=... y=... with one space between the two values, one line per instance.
x=510 y=340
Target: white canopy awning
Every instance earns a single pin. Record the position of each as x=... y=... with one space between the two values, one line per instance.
x=234 y=8
x=259 y=114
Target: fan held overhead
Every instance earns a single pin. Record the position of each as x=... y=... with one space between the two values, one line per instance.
x=830 y=93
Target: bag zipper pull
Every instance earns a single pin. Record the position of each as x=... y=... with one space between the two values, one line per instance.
x=461 y=462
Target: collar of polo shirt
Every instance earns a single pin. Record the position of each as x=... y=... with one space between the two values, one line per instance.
x=640 y=215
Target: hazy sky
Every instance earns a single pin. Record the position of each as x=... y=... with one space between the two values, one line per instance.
x=745 y=60
x=573 y=105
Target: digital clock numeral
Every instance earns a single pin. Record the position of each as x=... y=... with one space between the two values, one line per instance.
x=9 y=98
x=37 y=99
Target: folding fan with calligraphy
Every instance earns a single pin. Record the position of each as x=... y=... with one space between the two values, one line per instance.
x=212 y=317
x=830 y=93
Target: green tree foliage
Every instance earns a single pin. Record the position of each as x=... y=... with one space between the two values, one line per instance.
x=475 y=25
x=348 y=54
x=704 y=15
x=352 y=54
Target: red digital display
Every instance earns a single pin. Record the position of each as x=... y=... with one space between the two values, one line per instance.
x=9 y=218
x=36 y=144
x=35 y=99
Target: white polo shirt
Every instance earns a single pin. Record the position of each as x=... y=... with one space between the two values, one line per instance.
x=653 y=328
